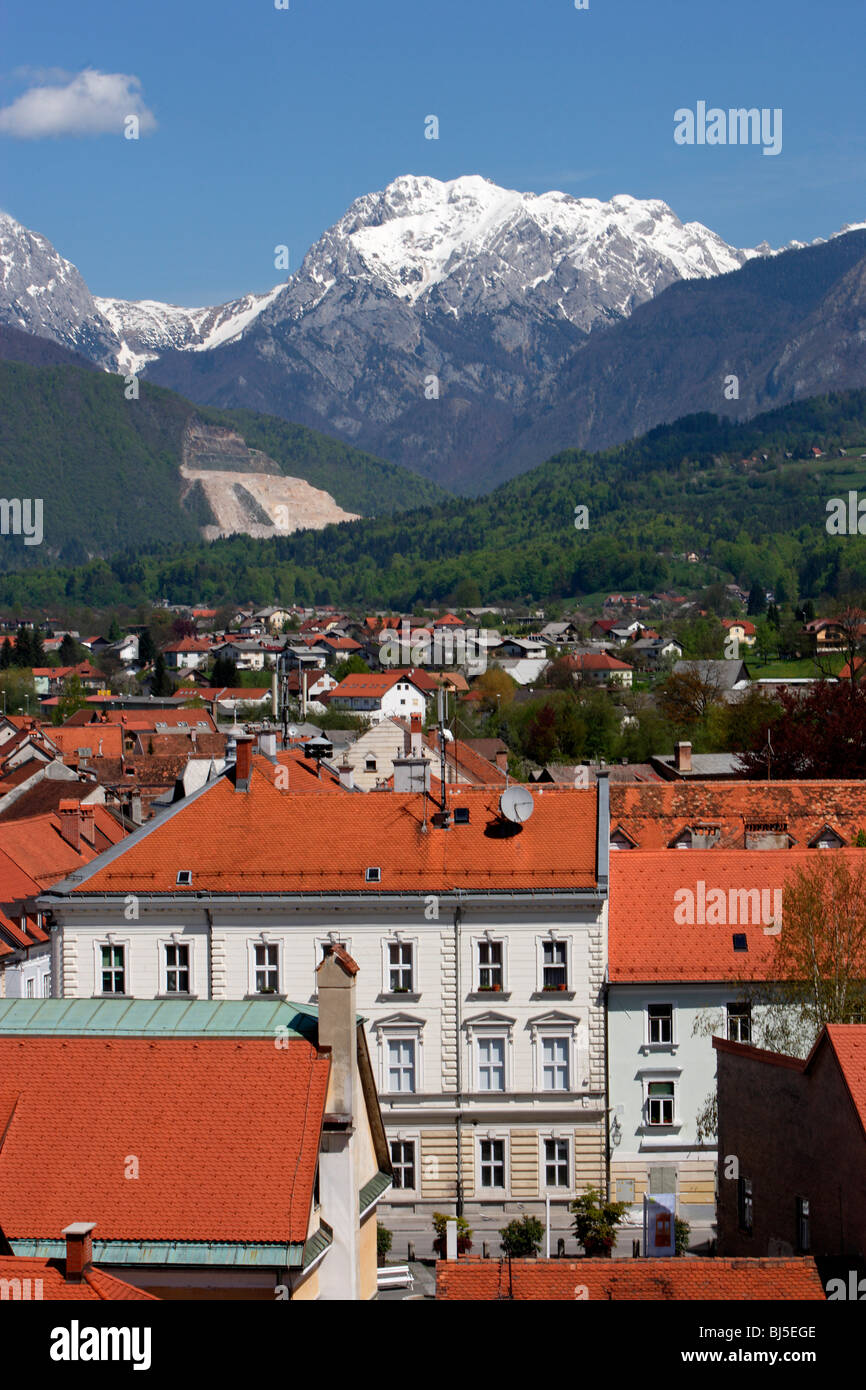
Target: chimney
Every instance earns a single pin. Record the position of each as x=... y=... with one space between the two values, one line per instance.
x=347 y=776
x=88 y=824
x=268 y=744
x=135 y=814
x=79 y=1250
x=243 y=764
x=602 y=852
x=502 y=760
x=683 y=757
x=340 y=1276
x=275 y=696
x=411 y=774
x=415 y=736
x=70 y=823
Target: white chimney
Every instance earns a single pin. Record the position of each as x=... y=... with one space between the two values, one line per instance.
x=340 y=1272
x=411 y=775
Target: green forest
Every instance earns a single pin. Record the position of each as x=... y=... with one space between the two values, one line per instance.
x=749 y=500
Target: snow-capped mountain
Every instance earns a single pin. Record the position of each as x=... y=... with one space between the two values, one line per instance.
x=433 y=324
x=145 y=328
x=43 y=294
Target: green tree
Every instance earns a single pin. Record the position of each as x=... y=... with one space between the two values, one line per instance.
x=757 y=600
x=114 y=632
x=146 y=647
x=72 y=698
x=522 y=1237
x=162 y=683
x=596 y=1221
x=224 y=673
x=352 y=664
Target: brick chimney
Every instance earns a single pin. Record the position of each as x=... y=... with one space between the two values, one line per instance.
x=70 y=823
x=79 y=1250
x=243 y=764
x=501 y=760
x=88 y=824
x=683 y=757
x=415 y=736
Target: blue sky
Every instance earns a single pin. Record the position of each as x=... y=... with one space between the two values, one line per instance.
x=269 y=122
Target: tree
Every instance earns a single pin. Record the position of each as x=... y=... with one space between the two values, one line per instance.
x=757 y=600
x=384 y=1241
x=540 y=735
x=146 y=647
x=496 y=682
x=773 y=617
x=22 y=652
x=686 y=697
x=819 y=735
x=114 y=632
x=162 y=683
x=522 y=1237
x=352 y=664
x=72 y=698
x=224 y=673
x=596 y=1220
x=68 y=651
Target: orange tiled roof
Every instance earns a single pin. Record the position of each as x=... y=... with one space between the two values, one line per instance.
x=96 y=1286
x=39 y=852
x=675 y=1280
x=654 y=814
x=235 y=842
x=216 y=1163
x=646 y=942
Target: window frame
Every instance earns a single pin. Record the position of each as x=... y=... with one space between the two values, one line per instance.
x=399 y=1028
x=400 y=1040
x=406 y=1140
x=264 y=938
x=553 y=939
x=559 y=1037
x=649 y=1041
x=487 y=1038
x=493 y=1163
x=736 y=1011
x=488 y=939
x=409 y=943
x=114 y=942
x=544 y=1163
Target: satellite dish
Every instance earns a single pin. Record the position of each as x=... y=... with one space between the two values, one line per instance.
x=292 y=731
x=516 y=805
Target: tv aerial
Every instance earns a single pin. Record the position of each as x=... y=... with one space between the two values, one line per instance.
x=516 y=805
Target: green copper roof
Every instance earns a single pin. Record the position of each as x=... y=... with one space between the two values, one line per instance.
x=250 y=1254
x=372 y=1190
x=166 y=1018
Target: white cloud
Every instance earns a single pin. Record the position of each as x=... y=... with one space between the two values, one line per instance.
x=90 y=103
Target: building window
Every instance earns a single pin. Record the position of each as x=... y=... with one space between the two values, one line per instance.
x=739 y=1022
x=113 y=971
x=556 y=1163
x=46 y=986
x=489 y=964
x=660 y=1023
x=554 y=967
x=403 y=1163
x=30 y=987
x=370 y=765
x=491 y=1064
x=745 y=1206
x=400 y=967
x=554 y=1064
x=267 y=968
x=401 y=1064
x=660 y=1102
x=803 y=1232
x=177 y=969
x=492 y=1162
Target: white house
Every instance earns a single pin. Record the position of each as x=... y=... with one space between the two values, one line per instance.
x=480 y=941
x=382 y=695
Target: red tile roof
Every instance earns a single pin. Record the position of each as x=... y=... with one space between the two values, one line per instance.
x=669 y=1280
x=216 y=1163
x=372 y=685
x=34 y=852
x=647 y=942
x=596 y=661
x=655 y=814
x=96 y=1286
x=235 y=842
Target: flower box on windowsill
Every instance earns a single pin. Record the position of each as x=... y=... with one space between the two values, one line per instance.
x=479 y=996
x=388 y=996
x=555 y=989
x=489 y=989
x=546 y=993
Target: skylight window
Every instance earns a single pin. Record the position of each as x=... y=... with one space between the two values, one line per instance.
x=373 y=875
x=740 y=942
x=184 y=878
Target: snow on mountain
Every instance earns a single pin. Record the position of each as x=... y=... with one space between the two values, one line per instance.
x=146 y=328
x=469 y=246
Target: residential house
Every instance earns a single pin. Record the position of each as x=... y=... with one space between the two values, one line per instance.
x=598 y=668
x=272 y=1101
x=188 y=653
x=796 y=1129
x=480 y=941
x=700 y=767
x=741 y=630
x=70 y=1278
x=400 y=693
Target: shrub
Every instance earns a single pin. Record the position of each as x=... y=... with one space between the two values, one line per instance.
x=522 y=1237
x=464 y=1230
x=596 y=1220
x=682 y=1230
x=384 y=1241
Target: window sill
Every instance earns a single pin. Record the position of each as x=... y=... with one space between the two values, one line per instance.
x=660 y=1047
x=116 y=994
x=553 y=994
x=482 y=996
x=397 y=997
x=280 y=998
x=177 y=994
